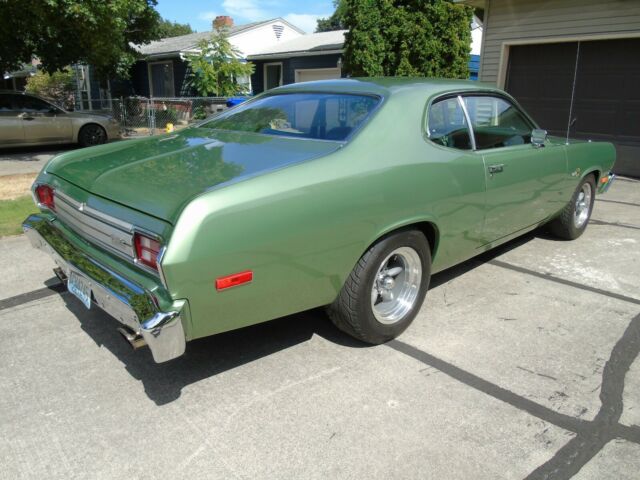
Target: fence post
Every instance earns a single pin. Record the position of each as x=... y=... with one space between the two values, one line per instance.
x=152 y=116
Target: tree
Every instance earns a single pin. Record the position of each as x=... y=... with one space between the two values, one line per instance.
x=64 y=32
x=335 y=21
x=57 y=86
x=430 y=38
x=167 y=29
x=217 y=68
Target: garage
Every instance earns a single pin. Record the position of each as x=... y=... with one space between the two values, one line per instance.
x=587 y=87
x=311 y=74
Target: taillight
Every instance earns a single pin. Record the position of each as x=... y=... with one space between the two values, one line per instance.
x=147 y=250
x=44 y=194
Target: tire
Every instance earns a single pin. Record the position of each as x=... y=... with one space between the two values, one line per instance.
x=92 y=134
x=376 y=316
x=573 y=220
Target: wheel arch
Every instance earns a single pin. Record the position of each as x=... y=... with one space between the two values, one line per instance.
x=592 y=171
x=427 y=226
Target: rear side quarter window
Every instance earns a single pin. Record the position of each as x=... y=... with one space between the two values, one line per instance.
x=447 y=125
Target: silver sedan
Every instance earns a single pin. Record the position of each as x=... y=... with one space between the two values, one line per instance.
x=29 y=120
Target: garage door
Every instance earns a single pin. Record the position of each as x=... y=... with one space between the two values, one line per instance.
x=590 y=88
x=317 y=74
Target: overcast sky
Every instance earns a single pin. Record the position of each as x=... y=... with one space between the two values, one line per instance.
x=199 y=13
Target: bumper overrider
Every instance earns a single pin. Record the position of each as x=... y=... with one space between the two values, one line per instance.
x=132 y=305
x=605 y=182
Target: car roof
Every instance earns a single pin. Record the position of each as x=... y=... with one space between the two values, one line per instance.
x=385 y=86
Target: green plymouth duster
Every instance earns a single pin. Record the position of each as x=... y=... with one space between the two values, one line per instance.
x=345 y=193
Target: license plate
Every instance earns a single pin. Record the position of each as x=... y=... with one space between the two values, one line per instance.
x=79 y=286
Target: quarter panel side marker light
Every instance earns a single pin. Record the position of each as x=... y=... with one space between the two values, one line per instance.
x=233 y=280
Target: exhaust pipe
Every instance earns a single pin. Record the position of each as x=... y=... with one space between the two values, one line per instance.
x=134 y=339
x=60 y=274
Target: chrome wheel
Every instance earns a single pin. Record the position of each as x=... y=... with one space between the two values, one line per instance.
x=583 y=205
x=396 y=286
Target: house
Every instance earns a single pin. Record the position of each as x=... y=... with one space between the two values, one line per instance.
x=162 y=69
x=309 y=57
x=318 y=56
x=574 y=65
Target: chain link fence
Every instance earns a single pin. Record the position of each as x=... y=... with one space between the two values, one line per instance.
x=150 y=116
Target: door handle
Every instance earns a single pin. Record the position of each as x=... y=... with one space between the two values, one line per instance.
x=496 y=168
x=26 y=116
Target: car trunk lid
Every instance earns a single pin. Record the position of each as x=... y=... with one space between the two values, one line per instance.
x=159 y=175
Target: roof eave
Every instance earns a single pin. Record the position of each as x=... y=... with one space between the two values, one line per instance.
x=472 y=3
x=306 y=53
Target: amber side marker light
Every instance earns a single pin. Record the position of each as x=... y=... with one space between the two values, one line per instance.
x=604 y=179
x=234 y=280
x=45 y=196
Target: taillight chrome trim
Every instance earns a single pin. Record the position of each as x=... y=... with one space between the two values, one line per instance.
x=159 y=259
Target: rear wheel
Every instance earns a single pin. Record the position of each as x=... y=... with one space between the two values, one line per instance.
x=573 y=220
x=385 y=290
x=92 y=134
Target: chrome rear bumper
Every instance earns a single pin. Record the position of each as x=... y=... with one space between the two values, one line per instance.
x=121 y=298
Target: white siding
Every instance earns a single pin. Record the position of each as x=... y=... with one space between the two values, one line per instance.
x=516 y=21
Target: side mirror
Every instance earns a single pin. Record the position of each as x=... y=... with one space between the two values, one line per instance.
x=538 y=137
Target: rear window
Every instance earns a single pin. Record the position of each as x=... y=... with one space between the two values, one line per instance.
x=324 y=116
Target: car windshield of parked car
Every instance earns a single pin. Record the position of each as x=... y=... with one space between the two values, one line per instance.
x=324 y=116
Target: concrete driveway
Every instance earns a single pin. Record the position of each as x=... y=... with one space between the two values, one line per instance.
x=15 y=161
x=522 y=364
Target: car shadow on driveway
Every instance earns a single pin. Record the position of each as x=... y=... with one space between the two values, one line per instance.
x=210 y=356
x=32 y=154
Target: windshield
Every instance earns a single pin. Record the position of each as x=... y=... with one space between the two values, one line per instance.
x=324 y=116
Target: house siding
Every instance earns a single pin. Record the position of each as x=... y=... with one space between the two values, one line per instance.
x=518 y=21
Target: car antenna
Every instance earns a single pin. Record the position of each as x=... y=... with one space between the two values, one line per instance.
x=573 y=93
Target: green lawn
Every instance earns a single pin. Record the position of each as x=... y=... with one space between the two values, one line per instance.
x=13 y=212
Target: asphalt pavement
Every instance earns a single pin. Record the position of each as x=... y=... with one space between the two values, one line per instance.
x=523 y=363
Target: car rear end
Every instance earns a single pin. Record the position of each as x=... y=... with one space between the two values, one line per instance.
x=110 y=256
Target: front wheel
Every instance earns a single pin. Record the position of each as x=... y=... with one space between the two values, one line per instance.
x=91 y=135
x=386 y=288
x=573 y=220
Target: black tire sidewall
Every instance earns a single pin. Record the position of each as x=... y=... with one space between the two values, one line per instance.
x=82 y=140
x=376 y=331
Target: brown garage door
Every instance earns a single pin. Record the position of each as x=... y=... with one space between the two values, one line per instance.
x=606 y=94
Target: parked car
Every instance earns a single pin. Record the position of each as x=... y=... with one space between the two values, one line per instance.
x=27 y=120
x=348 y=194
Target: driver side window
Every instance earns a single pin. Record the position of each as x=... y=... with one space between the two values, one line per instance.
x=26 y=103
x=447 y=125
x=496 y=122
